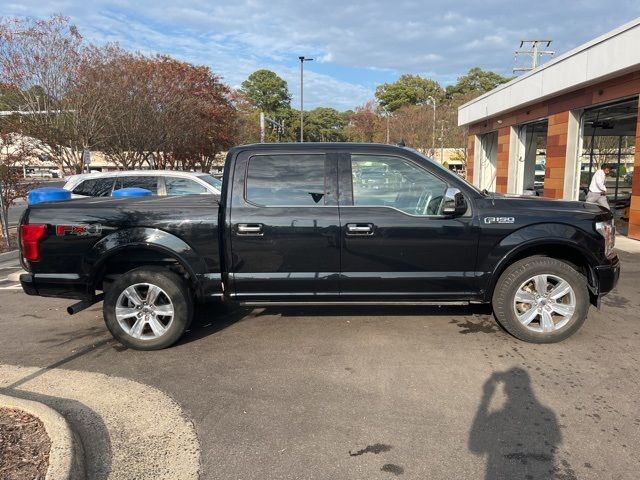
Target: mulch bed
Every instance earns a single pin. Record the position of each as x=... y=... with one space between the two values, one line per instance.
x=24 y=446
x=13 y=241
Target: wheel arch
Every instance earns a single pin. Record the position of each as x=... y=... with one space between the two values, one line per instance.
x=560 y=249
x=131 y=248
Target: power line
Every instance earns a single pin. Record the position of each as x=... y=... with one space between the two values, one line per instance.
x=534 y=51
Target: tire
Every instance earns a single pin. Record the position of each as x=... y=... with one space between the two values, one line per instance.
x=549 y=317
x=141 y=324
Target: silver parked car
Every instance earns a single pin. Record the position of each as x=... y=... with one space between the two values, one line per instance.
x=159 y=182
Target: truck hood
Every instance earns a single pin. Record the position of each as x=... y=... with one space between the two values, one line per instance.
x=530 y=202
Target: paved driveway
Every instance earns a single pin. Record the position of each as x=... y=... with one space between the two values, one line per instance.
x=375 y=393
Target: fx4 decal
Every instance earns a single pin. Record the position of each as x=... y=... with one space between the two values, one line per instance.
x=79 y=230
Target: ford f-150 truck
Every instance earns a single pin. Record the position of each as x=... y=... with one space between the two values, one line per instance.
x=320 y=224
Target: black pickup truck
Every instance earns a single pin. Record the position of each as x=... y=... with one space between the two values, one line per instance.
x=320 y=224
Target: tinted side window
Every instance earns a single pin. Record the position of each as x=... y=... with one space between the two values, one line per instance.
x=98 y=187
x=103 y=187
x=183 y=186
x=147 y=182
x=85 y=188
x=396 y=182
x=293 y=180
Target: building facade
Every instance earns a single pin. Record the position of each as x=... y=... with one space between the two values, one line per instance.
x=548 y=131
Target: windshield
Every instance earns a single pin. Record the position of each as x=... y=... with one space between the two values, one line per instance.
x=449 y=172
x=214 y=182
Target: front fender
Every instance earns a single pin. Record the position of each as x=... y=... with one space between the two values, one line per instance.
x=513 y=245
x=143 y=237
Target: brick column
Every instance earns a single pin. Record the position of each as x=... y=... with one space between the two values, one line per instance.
x=471 y=143
x=556 y=155
x=502 y=159
x=634 y=212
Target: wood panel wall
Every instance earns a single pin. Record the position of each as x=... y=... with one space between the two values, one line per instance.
x=502 y=159
x=634 y=213
x=556 y=155
x=471 y=143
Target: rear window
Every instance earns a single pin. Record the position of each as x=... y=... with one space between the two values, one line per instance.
x=95 y=187
x=147 y=182
x=214 y=182
x=286 y=180
x=183 y=186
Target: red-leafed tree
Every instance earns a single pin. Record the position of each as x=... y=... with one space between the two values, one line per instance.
x=365 y=122
x=160 y=111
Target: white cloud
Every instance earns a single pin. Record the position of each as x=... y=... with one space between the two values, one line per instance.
x=352 y=38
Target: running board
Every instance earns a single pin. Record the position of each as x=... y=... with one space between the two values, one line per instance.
x=360 y=304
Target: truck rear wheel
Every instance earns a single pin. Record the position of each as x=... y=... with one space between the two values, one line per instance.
x=148 y=308
x=541 y=300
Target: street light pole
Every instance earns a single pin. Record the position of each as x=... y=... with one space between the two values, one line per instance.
x=302 y=60
x=433 y=136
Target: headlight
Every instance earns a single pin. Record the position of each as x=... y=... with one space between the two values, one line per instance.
x=608 y=230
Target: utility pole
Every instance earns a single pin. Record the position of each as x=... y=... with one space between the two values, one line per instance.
x=386 y=114
x=4 y=219
x=533 y=51
x=387 y=128
x=302 y=60
x=278 y=126
x=442 y=142
x=433 y=136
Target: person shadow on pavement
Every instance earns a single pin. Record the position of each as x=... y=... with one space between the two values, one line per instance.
x=520 y=439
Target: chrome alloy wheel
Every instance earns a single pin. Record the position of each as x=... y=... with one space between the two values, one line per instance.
x=144 y=311
x=544 y=303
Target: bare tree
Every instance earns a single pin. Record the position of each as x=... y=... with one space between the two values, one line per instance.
x=42 y=59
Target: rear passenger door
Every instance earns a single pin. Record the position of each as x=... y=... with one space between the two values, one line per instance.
x=284 y=231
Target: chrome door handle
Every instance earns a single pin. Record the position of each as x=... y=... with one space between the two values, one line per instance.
x=359 y=229
x=249 y=229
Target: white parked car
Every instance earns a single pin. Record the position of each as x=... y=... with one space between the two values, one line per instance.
x=159 y=182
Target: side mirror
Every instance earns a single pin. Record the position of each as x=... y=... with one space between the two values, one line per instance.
x=454 y=202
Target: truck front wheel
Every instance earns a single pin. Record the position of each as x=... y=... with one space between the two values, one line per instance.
x=148 y=308
x=541 y=300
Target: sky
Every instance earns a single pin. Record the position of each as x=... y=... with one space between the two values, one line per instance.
x=355 y=45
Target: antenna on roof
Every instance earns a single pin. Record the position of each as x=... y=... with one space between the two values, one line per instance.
x=401 y=143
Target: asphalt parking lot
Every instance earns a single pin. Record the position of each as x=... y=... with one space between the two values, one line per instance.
x=337 y=393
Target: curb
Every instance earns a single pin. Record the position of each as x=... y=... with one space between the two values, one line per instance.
x=15 y=276
x=65 y=456
x=627 y=244
x=8 y=255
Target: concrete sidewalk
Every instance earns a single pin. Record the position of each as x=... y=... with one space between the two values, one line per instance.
x=627 y=244
x=127 y=430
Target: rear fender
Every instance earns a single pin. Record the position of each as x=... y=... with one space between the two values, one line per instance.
x=149 y=238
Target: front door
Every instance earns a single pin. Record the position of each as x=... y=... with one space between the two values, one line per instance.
x=397 y=245
x=285 y=234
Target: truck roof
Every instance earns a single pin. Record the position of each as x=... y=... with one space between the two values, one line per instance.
x=318 y=146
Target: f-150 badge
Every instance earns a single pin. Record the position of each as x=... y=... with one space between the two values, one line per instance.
x=499 y=219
